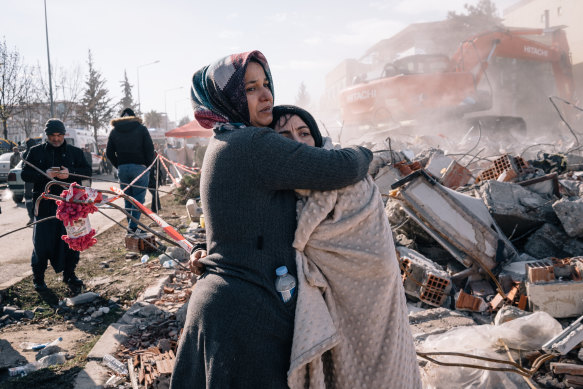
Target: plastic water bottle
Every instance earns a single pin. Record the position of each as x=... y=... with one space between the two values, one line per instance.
x=285 y=283
x=29 y=346
x=115 y=365
x=145 y=258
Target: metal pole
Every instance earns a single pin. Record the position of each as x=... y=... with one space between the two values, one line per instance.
x=138 y=74
x=49 y=62
x=165 y=105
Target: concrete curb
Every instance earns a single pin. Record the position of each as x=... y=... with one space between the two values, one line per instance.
x=94 y=375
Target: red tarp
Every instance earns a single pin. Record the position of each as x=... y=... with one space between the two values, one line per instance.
x=190 y=130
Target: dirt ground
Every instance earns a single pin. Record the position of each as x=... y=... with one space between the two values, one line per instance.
x=105 y=271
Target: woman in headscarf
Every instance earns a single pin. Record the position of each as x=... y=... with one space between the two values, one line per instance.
x=349 y=284
x=238 y=332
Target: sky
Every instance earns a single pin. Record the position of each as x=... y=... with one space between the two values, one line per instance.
x=302 y=40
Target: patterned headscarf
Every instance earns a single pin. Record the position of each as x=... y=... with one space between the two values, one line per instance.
x=218 y=90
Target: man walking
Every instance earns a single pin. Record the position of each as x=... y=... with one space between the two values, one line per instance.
x=131 y=150
x=59 y=161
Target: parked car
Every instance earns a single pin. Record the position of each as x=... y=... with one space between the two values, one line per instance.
x=15 y=183
x=4 y=165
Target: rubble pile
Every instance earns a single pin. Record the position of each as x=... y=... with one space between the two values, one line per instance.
x=495 y=243
x=150 y=348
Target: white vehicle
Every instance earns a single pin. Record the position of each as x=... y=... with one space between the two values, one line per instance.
x=81 y=138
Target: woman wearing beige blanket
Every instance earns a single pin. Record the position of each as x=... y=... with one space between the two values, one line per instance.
x=351 y=326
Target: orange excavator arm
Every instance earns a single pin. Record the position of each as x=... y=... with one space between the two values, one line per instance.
x=475 y=54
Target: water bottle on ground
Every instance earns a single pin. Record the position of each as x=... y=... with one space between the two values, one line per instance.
x=29 y=346
x=285 y=284
x=115 y=365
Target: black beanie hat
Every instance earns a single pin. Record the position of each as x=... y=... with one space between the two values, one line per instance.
x=54 y=126
x=284 y=110
x=127 y=112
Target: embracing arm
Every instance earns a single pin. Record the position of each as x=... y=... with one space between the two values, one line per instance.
x=282 y=163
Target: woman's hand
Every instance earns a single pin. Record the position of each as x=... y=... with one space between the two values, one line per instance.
x=194 y=264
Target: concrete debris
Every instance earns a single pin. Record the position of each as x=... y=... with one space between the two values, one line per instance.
x=460 y=223
x=566 y=340
x=551 y=241
x=570 y=213
x=508 y=313
x=422 y=278
x=516 y=209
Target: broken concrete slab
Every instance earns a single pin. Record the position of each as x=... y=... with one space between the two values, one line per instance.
x=438 y=164
x=552 y=241
x=515 y=208
x=422 y=278
x=386 y=177
x=570 y=213
x=566 y=340
x=460 y=223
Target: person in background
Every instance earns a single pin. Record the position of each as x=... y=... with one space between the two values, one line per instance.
x=15 y=158
x=238 y=331
x=87 y=154
x=60 y=161
x=157 y=178
x=131 y=150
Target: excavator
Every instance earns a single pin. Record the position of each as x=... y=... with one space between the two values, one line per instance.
x=427 y=88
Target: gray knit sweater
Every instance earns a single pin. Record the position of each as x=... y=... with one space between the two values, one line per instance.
x=238 y=332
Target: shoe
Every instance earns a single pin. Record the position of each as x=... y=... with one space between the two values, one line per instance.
x=30 y=221
x=39 y=285
x=73 y=281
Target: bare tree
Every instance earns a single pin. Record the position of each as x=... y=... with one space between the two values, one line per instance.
x=68 y=85
x=97 y=106
x=15 y=81
x=153 y=119
x=31 y=111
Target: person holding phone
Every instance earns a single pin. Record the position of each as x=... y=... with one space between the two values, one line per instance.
x=59 y=161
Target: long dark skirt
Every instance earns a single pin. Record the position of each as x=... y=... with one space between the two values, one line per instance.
x=237 y=335
x=48 y=246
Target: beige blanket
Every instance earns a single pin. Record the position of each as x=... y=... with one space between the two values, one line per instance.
x=350 y=296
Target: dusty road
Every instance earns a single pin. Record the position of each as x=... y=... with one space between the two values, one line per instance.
x=16 y=248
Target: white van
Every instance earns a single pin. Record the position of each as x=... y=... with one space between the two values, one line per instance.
x=80 y=138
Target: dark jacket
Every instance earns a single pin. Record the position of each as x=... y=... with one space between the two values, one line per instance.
x=45 y=156
x=129 y=142
x=238 y=332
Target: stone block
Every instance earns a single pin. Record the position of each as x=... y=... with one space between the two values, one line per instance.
x=570 y=213
x=558 y=299
x=515 y=208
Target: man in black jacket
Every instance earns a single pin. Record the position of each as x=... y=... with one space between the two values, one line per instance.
x=60 y=161
x=131 y=150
